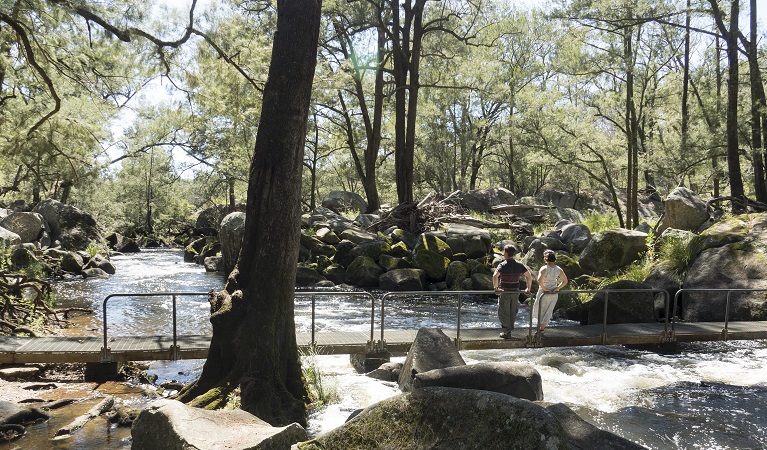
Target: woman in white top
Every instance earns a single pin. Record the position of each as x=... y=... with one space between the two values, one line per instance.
x=551 y=278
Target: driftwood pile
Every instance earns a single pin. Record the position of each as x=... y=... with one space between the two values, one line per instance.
x=430 y=214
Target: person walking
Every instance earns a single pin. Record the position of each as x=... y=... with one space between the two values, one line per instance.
x=551 y=278
x=506 y=284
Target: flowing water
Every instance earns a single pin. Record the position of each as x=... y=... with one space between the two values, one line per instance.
x=707 y=395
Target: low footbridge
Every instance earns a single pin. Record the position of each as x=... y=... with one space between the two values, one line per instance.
x=111 y=349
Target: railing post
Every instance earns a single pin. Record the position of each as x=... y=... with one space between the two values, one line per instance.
x=313 y=318
x=726 y=316
x=372 y=317
x=174 y=353
x=106 y=354
x=458 y=329
x=383 y=301
x=604 y=319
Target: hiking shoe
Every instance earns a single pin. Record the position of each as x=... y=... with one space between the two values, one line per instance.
x=505 y=335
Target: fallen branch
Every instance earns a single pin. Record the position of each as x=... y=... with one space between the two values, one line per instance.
x=103 y=406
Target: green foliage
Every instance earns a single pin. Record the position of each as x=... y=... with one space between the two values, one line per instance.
x=5 y=258
x=233 y=399
x=321 y=393
x=601 y=221
x=680 y=252
x=97 y=248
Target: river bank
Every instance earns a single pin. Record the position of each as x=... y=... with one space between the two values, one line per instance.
x=706 y=395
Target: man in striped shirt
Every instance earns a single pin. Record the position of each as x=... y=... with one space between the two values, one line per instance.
x=506 y=283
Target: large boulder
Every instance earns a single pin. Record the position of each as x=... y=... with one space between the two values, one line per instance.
x=402 y=280
x=483 y=199
x=339 y=201
x=474 y=242
x=72 y=262
x=363 y=272
x=511 y=378
x=447 y=419
x=231 y=232
x=434 y=243
x=733 y=266
x=576 y=237
x=613 y=249
x=28 y=225
x=432 y=263
x=8 y=238
x=457 y=271
x=100 y=262
x=122 y=244
x=623 y=307
x=584 y=436
x=307 y=275
x=406 y=237
x=372 y=249
x=684 y=210
x=566 y=199
x=73 y=228
x=431 y=349
x=357 y=236
x=169 y=424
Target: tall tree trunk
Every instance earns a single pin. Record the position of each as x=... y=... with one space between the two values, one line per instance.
x=631 y=143
x=686 y=84
x=757 y=106
x=254 y=342
x=733 y=156
x=232 y=199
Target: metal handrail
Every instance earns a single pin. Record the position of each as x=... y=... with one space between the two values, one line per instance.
x=105 y=351
x=530 y=336
x=460 y=295
x=680 y=292
x=350 y=294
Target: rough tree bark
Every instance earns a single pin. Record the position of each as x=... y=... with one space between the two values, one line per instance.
x=254 y=345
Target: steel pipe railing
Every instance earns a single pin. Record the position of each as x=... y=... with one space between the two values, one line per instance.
x=729 y=292
x=105 y=350
x=314 y=294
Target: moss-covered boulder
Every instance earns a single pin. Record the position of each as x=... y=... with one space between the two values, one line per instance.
x=457 y=271
x=389 y=262
x=434 y=264
x=400 y=250
x=407 y=238
x=569 y=265
x=434 y=244
x=343 y=254
x=447 y=419
x=357 y=236
x=613 y=249
x=363 y=272
x=335 y=273
x=403 y=280
x=307 y=275
x=481 y=268
x=481 y=281
x=372 y=249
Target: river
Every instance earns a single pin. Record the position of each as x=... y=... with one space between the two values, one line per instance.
x=706 y=395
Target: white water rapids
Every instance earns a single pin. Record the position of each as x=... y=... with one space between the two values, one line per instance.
x=708 y=395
